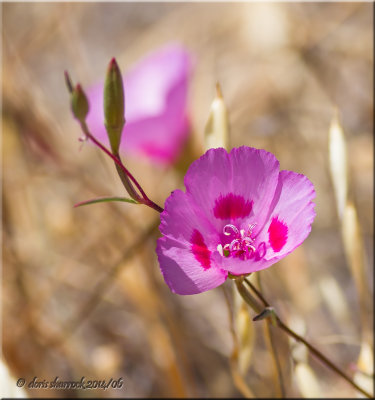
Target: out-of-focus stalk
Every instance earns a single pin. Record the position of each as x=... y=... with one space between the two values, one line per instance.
x=249 y=299
x=354 y=252
x=216 y=133
x=338 y=163
x=235 y=367
x=351 y=235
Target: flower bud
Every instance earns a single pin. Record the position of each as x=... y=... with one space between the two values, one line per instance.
x=80 y=105
x=114 y=105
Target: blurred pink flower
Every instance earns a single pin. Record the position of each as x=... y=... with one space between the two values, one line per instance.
x=156 y=91
x=239 y=214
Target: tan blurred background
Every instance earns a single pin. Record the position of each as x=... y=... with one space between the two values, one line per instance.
x=82 y=290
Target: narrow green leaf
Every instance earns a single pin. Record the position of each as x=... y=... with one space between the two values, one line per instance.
x=105 y=200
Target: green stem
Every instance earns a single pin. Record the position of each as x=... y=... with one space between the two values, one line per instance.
x=247 y=296
x=126 y=182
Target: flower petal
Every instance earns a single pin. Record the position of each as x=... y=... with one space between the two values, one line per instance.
x=182 y=272
x=185 y=251
x=210 y=230
x=291 y=215
x=181 y=217
x=288 y=224
x=155 y=106
x=237 y=266
x=239 y=185
x=255 y=177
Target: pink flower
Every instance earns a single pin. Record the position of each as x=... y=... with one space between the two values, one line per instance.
x=239 y=214
x=155 y=106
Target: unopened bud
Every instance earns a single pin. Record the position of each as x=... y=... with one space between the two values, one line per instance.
x=114 y=105
x=80 y=105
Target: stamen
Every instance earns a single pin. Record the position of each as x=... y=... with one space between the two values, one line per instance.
x=242 y=245
x=248 y=240
x=226 y=247
x=235 y=245
x=229 y=227
x=250 y=228
x=252 y=248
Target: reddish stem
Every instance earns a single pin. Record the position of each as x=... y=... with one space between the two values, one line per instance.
x=145 y=200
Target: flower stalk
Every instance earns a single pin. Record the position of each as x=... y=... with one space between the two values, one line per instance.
x=280 y=324
x=142 y=200
x=80 y=108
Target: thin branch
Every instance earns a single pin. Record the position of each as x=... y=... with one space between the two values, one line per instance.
x=297 y=337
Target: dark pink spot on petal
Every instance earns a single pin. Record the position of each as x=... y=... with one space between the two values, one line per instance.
x=232 y=206
x=278 y=234
x=200 y=250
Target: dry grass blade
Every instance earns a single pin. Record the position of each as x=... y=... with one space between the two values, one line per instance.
x=365 y=374
x=272 y=348
x=275 y=357
x=235 y=364
x=246 y=336
x=354 y=251
x=216 y=133
x=306 y=381
x=335 y=298
x=338 y=163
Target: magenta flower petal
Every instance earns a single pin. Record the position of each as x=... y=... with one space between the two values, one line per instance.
x=155 y=106
x=233 y=186
x=288 y=224
x=239 y=214
x=183 y=252
x=290 y=220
